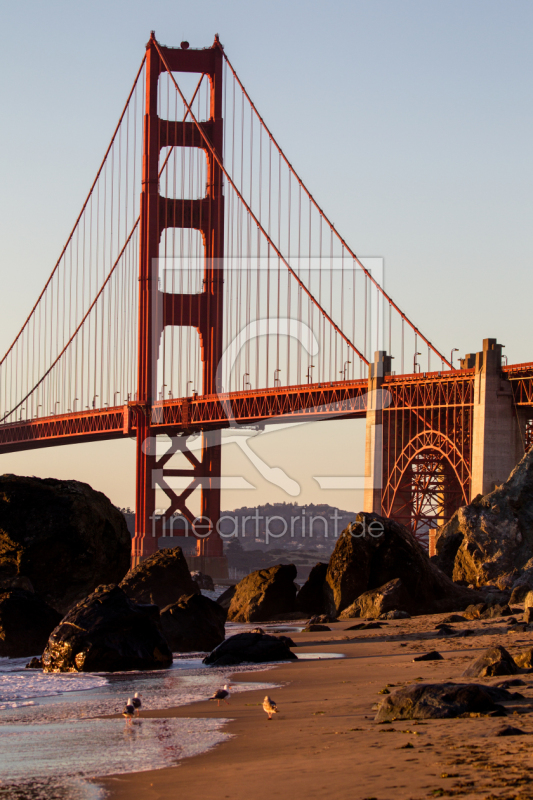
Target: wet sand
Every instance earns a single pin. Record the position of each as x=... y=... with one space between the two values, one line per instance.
x=324 y=741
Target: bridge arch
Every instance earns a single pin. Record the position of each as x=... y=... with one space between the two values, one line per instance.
x=426 y=483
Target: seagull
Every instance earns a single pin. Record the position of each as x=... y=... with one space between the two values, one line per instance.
x=137 y=703
x=222 y=694
x=269 y=706
x=129 y=709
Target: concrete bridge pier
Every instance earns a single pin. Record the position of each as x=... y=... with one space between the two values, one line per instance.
x=375 y=446
x=498 y=425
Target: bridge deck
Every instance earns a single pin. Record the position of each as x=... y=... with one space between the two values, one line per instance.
x=320 y=401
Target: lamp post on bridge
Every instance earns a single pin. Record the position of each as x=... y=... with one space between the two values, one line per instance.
x=454 y=350
x=415 y=363
x=311 y=366
x=343 y=370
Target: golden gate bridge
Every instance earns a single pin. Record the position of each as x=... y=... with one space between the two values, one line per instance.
x=202 y=287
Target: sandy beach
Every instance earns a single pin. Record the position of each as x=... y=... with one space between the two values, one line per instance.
x=324 y=741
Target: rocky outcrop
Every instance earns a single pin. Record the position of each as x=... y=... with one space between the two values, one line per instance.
x=264 y=595
x=226 y=597
x=311 y=598
x=490 y=541
x=442 y=701
x=524 y=659
x=374 y=551
x=249 y=648
x=107 y=632
x=194 y=623
x=494 y=661
x=26 y=622
x=371 y=605
x=62 y=536
x=486 y=611
x=203 y=581
x=163 y=578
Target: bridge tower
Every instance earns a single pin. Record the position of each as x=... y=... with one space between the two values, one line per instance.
x=202 y=311
x=435 y=441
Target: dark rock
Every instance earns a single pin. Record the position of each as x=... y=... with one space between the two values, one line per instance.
x=454 y=618
x=163 y=578
x=257 y=630
x=266 y=594
x=62 y=536
x=520 y=592
x=226 y=597
x=203 y=581
x=524 y=659
x=193 y=623
x=311 y=598
x=390 y=597
x=528 y=615
x=35 y=663
x=286 y=640
x=475 y=610
x=494 y=661
x=511 y=621
x=107 y=632
x=26 y=622
x=322 y=619
x=511 y=682
x=491 y=539
x=486 y=611
x=441 y=701
x=431 y=656
x=254 y=648
x=497 y=610
x=396 y=613
x=314 y=628
x=374 y=551
x=520 y=627
x=10 y=579
x=508 y=730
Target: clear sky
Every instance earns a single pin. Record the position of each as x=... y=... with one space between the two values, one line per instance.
x=411 y=122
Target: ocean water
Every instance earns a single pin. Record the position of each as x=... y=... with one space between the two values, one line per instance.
x=53 y=738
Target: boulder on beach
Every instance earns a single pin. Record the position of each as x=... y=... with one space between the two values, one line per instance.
x=265 y=594
x=162 y=578
x=494 y=661
x=26 y=622
x=486 y=611
x=524 y=659
x=378 y=602
x=194 y=623
x=433 y=655
x=490 y=541
x=372 y=552
x=315 y=627
x=107 y=632
x=311 y=599
x=253 y=648
x=443 y=701
x=203 y=581
x=62 y=536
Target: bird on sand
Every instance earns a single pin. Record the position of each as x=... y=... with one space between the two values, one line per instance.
x=269 y=706
x=129 y=709
x=137 y=703
x=222 y=694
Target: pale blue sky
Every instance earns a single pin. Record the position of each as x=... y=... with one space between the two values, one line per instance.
x=410 y=121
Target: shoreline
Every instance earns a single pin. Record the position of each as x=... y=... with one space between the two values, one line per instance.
x=324 y=740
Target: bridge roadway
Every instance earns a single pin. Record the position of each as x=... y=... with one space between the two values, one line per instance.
x=436 y=392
